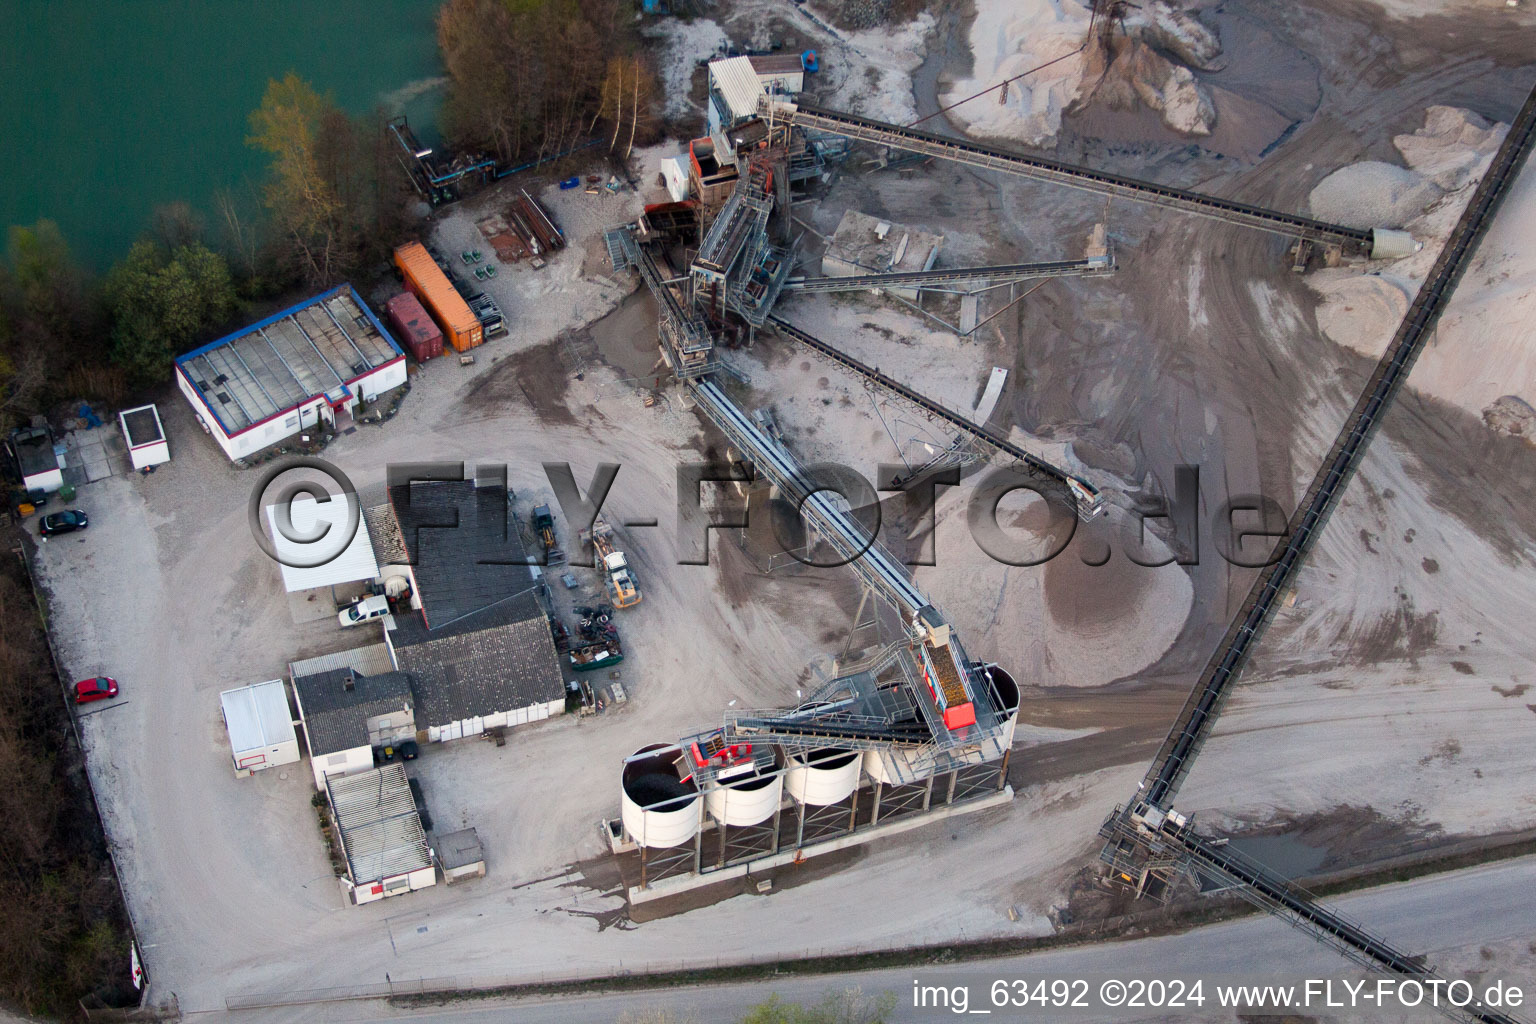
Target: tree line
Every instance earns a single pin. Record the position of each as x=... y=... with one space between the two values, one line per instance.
x=527 y=79
x=530 y=79
x=64 y=932
x=332 y=201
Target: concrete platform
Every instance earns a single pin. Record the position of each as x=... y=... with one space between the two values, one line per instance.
x=685 y=883
x=94 y=455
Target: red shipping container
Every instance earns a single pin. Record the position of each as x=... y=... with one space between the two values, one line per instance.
x=420 y=334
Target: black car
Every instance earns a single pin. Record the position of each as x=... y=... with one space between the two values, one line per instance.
x=63 y=522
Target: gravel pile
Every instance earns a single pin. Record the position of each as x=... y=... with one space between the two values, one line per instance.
x=1372 y=194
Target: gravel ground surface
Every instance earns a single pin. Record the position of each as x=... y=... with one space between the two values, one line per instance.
x=1407 y=648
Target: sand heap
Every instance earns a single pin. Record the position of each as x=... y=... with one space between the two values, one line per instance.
x=1482 y=356
x=1372 y=194
x=1125 y=70
x=1148 y=63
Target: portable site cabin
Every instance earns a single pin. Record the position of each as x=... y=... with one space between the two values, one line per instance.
x=292 y=372
x=674 y=171
x=145 y=435
x=781 y=73
x=261 y=733
x=36 y=463
x=459 y=855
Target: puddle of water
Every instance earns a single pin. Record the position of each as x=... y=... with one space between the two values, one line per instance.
x=1285 y=854
x=947 y=51
x=626 y=337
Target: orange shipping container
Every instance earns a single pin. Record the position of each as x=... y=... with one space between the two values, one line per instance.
x=429 y=284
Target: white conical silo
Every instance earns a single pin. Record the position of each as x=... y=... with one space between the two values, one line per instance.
x=1005 y=695
x=893 y=765
x=745 y=800
x=658 y=808
x=822 y=777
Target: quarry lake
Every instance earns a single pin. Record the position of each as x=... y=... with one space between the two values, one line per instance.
x=114 y=109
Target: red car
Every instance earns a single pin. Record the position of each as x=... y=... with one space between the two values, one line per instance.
x=100 y=688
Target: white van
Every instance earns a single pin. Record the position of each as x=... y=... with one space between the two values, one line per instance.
x=367 y=609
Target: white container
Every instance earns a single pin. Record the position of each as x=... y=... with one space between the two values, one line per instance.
x=1006 y=698
x=1390 y=244
x=891 y=765
x=745 y=801
x=657 y=810
x=822 y=777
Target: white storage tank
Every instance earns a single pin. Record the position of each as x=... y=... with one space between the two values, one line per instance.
x=891 y=765
x=1005 y=697
x=745 y=799
x=658 y=809
x=822 y=777
x=1391 y=244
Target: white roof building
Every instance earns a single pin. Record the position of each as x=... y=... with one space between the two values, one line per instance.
x=261 y=733
x=306 y=366
x=145 y=435
x=734 y=89
x=354 y=562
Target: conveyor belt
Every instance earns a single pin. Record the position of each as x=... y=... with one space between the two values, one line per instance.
x=866 y=129
x=865 y=555
x=1178 y=751
x=1279 y=895
x=659 y=286
x=920 y=278
x=835 y=733
x=928 y=405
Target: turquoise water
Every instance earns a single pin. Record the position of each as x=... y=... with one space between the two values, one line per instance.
x=111 y=109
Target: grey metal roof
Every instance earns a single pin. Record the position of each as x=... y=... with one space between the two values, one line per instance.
x=459 y=849
x=380 y=827
x=280 y=363
x=370 y=660
x=463 y=545
x=498 y=659
x=335 y=717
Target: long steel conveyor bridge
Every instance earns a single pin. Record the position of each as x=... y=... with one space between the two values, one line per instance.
x=1002 y=274
x=1148 y=835
x=1175 y=840
x=865 y=555
x=996 y=158
x=1178 y=751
